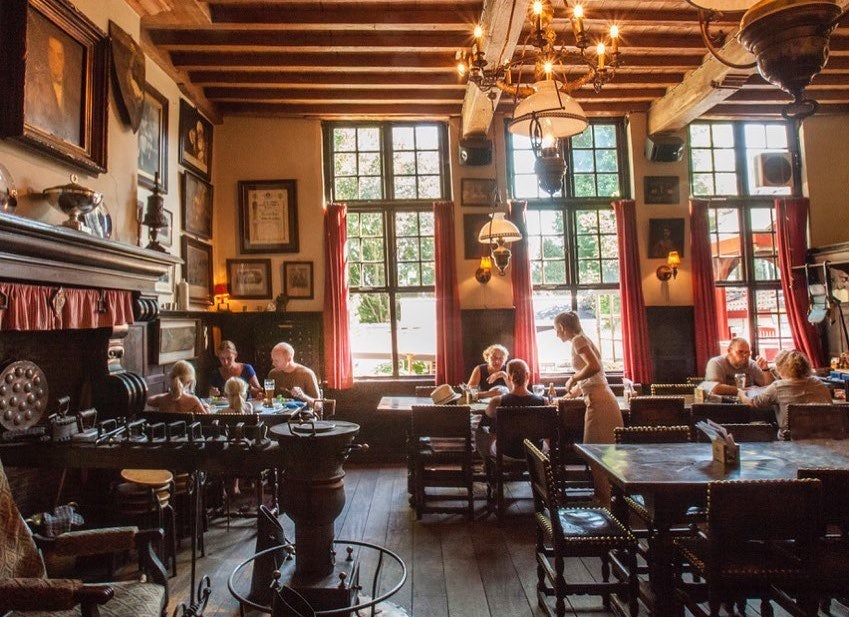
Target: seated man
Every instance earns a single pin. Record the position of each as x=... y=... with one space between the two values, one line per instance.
x=722 y=369
x=290 y=378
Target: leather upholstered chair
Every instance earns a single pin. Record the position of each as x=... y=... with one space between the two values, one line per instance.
x=563 y=532
x=816 y=421
x=671 y=389
x=24 y=588
x=657 y=411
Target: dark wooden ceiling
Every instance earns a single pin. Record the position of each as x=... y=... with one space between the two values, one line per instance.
x=385 y=58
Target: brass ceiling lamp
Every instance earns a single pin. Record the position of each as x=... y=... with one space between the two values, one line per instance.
x=544 y=108
x=789 y=39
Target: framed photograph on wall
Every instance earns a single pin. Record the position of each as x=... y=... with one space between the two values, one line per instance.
x=661 y=189
x=477 y=191
x=665 y=235
x=165 y=283
x=298 y=280
x=249 y=279
x=195 y=141
x=54 y=72
x=196 y=200
x=197 y=269
x=472 y=223
x=177 y=340
x=268 y=216
x=153 y=140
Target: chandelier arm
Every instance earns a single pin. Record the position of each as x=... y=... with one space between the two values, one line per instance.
x=569 y=86
x=704 y=24
x=520 y=90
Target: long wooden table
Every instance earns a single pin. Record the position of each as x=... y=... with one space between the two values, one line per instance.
x=674 y=477
x=405 y=403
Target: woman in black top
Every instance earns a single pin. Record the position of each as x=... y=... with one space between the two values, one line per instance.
x=490 y=377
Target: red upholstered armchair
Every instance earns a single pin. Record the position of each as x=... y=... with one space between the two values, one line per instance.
x=24 y=586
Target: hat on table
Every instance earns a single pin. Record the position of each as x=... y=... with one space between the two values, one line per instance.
x=443 y=395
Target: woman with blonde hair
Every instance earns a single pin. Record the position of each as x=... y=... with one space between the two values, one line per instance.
x=236 y=391
x=227 y=354
x=603 y=413
x=490 y=377
x=795 y=384
x=179 y=397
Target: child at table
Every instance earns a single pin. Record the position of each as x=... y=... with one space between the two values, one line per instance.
x=236 y=391
x=179 y=397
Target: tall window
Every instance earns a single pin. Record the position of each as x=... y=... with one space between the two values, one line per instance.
x=724 y=159
x=389 y=174
x=572 y=241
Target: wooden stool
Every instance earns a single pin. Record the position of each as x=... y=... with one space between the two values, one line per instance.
x=146 y=496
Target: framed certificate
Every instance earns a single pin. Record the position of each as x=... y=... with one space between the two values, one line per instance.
x=268 y=216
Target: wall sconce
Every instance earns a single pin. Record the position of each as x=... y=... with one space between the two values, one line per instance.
x=499 y=232
x=669 y=270
x=484 y=271
x=222 y=295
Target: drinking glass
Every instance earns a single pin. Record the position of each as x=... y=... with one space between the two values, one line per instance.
x=269 y=392
x=538 y=389
x=740 y=380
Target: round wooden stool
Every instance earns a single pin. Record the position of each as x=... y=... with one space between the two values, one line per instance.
x=145 y=499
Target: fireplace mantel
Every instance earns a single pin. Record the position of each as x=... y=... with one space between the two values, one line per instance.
x=37 y=252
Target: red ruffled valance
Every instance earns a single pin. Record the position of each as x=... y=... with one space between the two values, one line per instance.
x=35 y=307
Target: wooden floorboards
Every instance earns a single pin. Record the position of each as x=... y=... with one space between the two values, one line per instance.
x=455 y=568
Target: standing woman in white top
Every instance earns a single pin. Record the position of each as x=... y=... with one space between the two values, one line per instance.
x=589 y=380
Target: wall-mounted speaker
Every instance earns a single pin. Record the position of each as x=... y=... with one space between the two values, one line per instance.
x=475 y=151
x=773 y=170
x=664 y=148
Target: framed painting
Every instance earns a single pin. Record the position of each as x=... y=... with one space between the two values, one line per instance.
x=165 y=283
x=195 y=141
x=196 y=201
x=128 y=75
x=197 y=269
x=54 y=72
x=177 y=340
x=665 y=235
x=297 y=280
x=472 y=223
x=249 y=279
x=268 y=216
x=477 y=191
x=153 y=140
x=661 y=189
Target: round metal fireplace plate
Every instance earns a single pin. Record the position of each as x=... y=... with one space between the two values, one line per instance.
x=23 y=395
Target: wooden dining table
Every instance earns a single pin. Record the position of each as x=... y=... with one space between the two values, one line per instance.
x=674 y=477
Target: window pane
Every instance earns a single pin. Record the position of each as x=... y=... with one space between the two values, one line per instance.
x=732 y=309
x=771 y=320
x=416 y=314
x=553 y=355
x=403 y=138
x=370 y=334
x=404 y=163
x=601 y=321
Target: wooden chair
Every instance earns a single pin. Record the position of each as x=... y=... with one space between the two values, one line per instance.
x=424 y=391
x=441 y=447
x=760 y=534
x=563 y=532
x=831 y=578
x=752 y=432
x=570 y=430
x=326 y=408
x=671 y=389
x=696 y=380
x=24 y=587
x=657 y=411
x=513 y=426
x=651 y=434
x=816 y=421
x=721 y=413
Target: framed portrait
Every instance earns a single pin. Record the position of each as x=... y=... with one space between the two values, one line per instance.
x=268 y=216
x=297 y=280
x=128 y=75
x=661 y=189
x=472 y=223
x=195 y=141
x=249 y=279
x=477 y=191
x=153 y=140
x=54 y=72
x=196 y=201
x=665 y=235
x=197 y=269
x=165 y=283
x=177 y=340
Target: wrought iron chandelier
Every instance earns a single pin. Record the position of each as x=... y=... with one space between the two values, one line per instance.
x=544 y=109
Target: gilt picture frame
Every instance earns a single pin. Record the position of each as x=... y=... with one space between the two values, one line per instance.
x=195 y=141
x=477 y=191
x=54 y=72
x=661 y=189
x=197 y=269
x=196 y=201
x=153 y=140
x=249 y=279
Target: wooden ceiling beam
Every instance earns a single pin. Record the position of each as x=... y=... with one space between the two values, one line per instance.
x=359 y=40
x=698 y=92
x=426 y=13
x=501 y=21
x=727 y=111
x=330 y=94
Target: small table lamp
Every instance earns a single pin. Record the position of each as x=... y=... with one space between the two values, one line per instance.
x=222 y=294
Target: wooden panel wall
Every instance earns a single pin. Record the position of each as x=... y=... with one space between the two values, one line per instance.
x=672 y=344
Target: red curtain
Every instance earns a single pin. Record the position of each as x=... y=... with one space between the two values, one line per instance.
x=704 y=297
x=791 y=227
x=449 y=330
x=635 y=331
x=337 y=344
x=40 y=307
x=524 y=329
